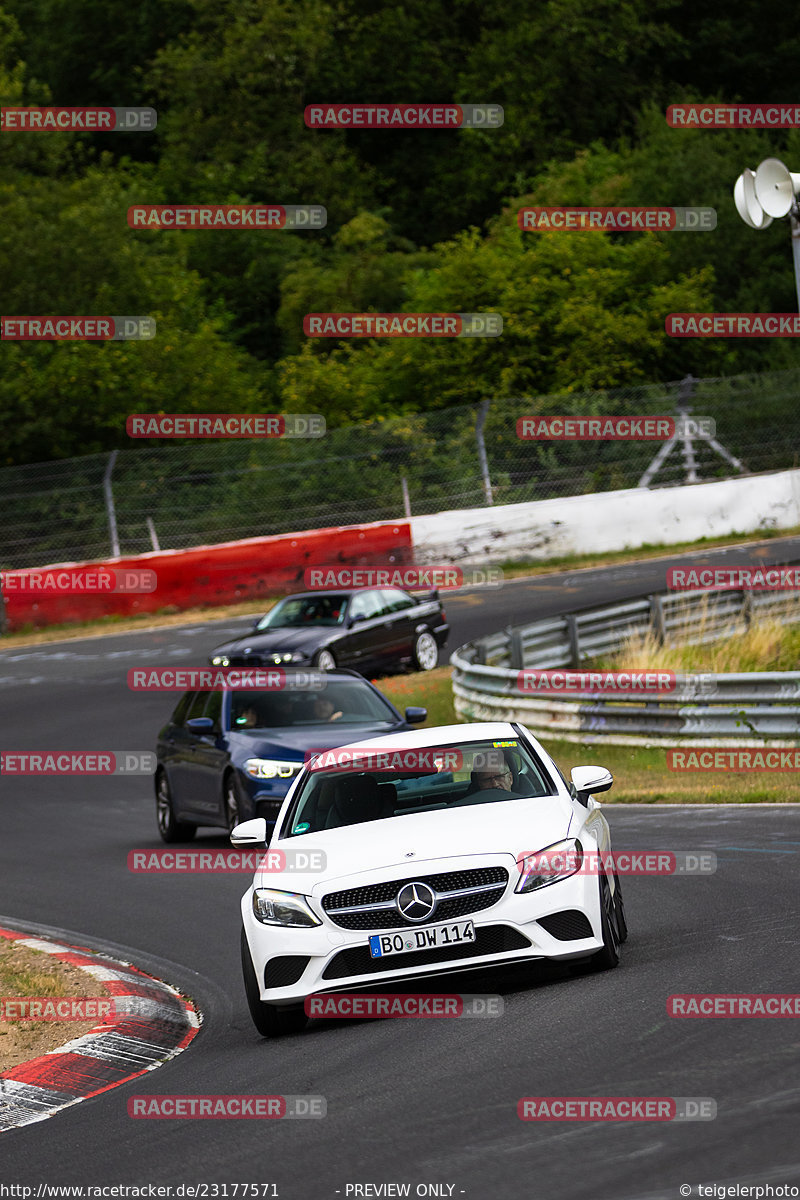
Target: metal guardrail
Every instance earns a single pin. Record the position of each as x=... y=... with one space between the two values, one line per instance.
x=733 y=709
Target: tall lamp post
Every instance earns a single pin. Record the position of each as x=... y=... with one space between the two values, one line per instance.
x=771 y=191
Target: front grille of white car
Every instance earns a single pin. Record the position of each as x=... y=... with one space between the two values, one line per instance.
x=457 y=892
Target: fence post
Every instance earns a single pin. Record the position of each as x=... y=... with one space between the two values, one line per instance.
x=109 y=495
x=406 y=498
x=657 y=616
x=483 y=411
x=747 y=608
x=574 y=641
x=514 y=648
x=151 y=529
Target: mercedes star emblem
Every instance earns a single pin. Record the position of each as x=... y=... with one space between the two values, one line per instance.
x=416 y=901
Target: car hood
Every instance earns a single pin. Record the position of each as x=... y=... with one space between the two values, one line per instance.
x=361 y=854
x=295 y=741
x=283 y=640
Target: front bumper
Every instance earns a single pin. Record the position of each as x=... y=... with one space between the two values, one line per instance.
x=291 y=964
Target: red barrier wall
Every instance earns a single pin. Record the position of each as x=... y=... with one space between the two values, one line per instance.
x=221 y=574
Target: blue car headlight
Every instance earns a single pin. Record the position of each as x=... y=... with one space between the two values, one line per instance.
x=272 y=768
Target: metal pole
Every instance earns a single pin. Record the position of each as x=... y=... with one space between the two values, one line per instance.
x=796 y=252
x=483 y=412
x=109 y=495
x=406 y=499
x=151 y=529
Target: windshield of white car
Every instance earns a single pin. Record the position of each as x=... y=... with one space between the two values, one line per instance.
x=348 y=787
x=340 y=703
x=300 y=612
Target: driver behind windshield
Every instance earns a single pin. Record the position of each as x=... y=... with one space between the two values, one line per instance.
x=493 y=772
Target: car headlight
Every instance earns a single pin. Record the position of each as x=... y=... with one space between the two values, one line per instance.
x=550 y=865
x=271 y=768
x=220 y=660
x=282 y=908
x=284 y=658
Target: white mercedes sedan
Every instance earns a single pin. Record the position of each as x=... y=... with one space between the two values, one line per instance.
x=422 y=854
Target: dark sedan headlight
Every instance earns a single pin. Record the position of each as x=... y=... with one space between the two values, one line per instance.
x=550 y=865
x=271 y=768
x=295 y=656
x=220 y=660
x=282 y=908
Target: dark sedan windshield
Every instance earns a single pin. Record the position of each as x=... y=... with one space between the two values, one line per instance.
x=341 y=702
x=302 y=611
x=347 y=787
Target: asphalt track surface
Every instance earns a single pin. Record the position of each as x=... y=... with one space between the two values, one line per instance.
x=425 y=1102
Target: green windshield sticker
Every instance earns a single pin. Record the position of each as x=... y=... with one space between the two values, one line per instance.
x=303 y=827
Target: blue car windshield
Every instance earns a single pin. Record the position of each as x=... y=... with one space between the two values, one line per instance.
x=303 y=611
x=347 y=787
x=340 y=703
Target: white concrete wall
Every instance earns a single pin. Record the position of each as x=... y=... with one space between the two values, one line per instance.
x=542 y=529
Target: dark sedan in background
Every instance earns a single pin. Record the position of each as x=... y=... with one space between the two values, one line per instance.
x=366 y=629
x=228 y=756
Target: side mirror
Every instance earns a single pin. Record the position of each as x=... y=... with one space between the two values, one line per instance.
x=200 y=725
x=587 y=780
x=354 y=620
x=250 y=833
x=415 y=716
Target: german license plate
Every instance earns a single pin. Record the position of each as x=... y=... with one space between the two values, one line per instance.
x=429 y=938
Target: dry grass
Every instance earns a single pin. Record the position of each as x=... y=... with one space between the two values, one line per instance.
x=25 y=972
x=768 y=644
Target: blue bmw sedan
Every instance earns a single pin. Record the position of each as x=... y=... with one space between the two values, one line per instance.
x=227 y=756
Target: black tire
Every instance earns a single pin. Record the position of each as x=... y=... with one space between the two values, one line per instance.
x=171 y=829
x=325 y=660
x=607 y=958
x=268 y=1020
x=235 y=808
x=622 y=924
x=426 y=651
